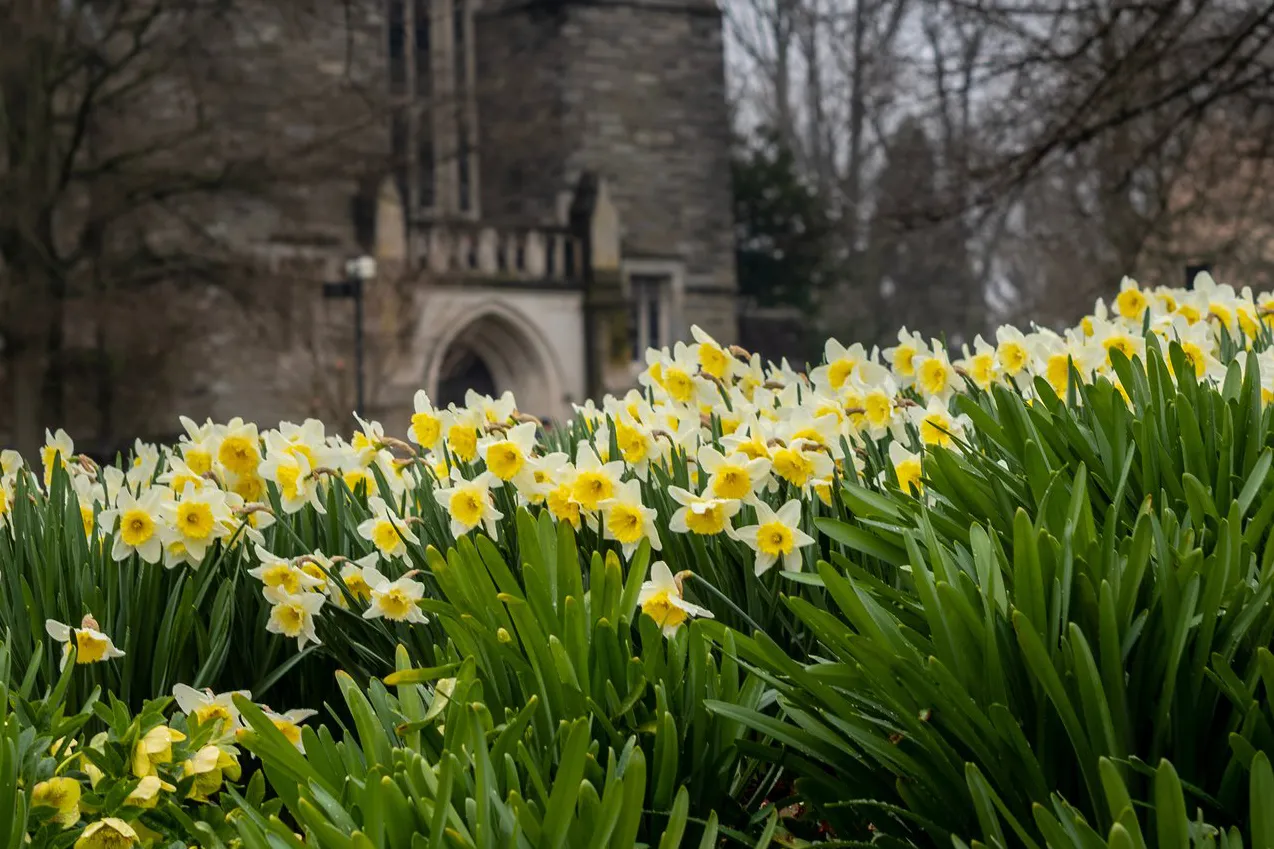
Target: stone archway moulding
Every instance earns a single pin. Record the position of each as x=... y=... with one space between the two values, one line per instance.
x=515 y=349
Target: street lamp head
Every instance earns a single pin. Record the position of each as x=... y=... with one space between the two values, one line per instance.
x=363 y=268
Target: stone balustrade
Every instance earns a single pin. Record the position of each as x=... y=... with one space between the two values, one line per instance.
x=459 y=249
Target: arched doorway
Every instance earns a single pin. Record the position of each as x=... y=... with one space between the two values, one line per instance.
x=463 y=369
x=491 y=354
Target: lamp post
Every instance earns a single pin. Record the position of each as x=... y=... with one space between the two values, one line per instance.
x=357 y=273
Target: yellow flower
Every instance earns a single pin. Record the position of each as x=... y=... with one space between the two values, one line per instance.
x=240 y=449
x=62 y=795
x=735 y=477
x=935 y=424
x=207 y=775
x=660 y=599
x=628 y=521
x=563 y=505
x=679 y=385
x=776 y=536
x=352 y=575
x=250 y=487
x=595 y=481
x=712 y=357
x=1131 y=302
x=57 y=450
x=426 y=424
x=907 y=467
x=146 y=793
x=507 y=457
x=462 y=435
x=469 y=503
x=700 y=514
x=289 y=725
x=155 y=747
x=396 y=600
x=108 y=833
x=385 y=530
x=279 y=574
x=197 y=459
x=92 y=646
x=207 y=708
x=794 y=466
x=292 y=615
x=934 y=376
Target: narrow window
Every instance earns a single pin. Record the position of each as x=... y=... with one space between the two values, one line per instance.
x=426 y=164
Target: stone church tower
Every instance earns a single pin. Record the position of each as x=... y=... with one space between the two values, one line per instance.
x=546 y=193
x=599 y=124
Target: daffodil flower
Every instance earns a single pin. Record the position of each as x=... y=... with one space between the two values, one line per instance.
x=935 y=376
x=735 y=477
x=776 y=536
x=700 y=514
x=660 y=598
x=506 y=455
x=628 y=521
x=206 y=707
x=841 y=363
x=902 y=357
x=92 y=646
x=907 y=467
x=711 y=356
x=385 y=530
x=197 y=521
x=426 y=423
x=138 y=520
x=636 y=441
x=594 y=481
x=393 y=600
x=238 y=446
x=491 y=410
x=351 y=575
x=460 y=431
x=801 y=463
x=278 y=573
x=58 y=449
x=290 y=464
x=469 y=503
x=289 y=724
x=935 y=423
x=292 y=614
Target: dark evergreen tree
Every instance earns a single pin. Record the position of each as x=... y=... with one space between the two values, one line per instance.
x=918 y=271
x=784 y=230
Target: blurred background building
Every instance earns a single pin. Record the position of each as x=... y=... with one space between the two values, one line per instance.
x=544 y=188
x=547 y=187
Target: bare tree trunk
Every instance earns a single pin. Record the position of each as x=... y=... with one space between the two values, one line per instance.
x=103 y=365
x=783 y=14
x=26 y=375
x=819 y=162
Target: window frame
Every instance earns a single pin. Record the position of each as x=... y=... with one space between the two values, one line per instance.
x=669 y=279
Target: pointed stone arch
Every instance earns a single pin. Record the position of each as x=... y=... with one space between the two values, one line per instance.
x=501 y=346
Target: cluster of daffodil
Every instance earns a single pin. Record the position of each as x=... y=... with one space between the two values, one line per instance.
x=760 y=445
x=112 y=787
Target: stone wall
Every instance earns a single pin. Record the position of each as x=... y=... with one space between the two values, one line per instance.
x=633 y=90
